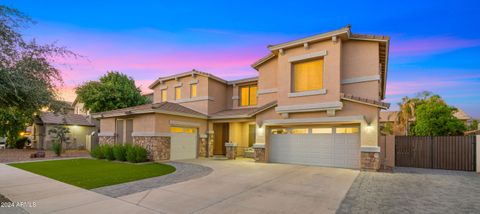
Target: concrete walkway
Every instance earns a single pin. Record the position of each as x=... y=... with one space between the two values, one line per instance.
x=51 y=196
x=183 y=172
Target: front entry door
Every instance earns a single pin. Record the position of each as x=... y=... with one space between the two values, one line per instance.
x=220 y=131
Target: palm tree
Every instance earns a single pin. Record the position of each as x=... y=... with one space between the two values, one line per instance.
x=406 y=113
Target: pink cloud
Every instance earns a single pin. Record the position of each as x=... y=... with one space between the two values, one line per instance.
x=430 y=45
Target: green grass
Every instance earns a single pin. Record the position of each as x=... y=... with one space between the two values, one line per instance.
x=92 y=173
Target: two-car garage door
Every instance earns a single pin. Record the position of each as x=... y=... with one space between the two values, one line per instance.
x=322 y=146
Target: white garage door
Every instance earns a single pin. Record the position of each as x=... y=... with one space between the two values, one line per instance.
x=336 y=147
x=183 y=143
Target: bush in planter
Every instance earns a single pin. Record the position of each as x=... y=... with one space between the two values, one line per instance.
x=57 y=148
x=20 y=143
x=108 y=152
x=120 y=152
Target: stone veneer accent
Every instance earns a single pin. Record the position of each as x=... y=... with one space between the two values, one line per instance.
x=210 y=144
x=202 y=147
x=259 y=155
x=158 y=147
x=370 y=161
x=231 y=151
x=106 y=140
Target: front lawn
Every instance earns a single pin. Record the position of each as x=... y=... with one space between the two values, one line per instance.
x=92 y=173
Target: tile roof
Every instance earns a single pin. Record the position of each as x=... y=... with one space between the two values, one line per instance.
x=243 y=112
x=67 y=119
x=163 y=106
x=365 y=100
x=369 y=36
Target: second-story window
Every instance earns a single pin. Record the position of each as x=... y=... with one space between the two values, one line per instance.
x=307 y=75
x=193 y=90
x=164 y=95
x=178 y=93
x=248 y=95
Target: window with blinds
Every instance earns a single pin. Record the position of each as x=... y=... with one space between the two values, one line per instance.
x=178 y=93
x=193 y=90
x=248 y=95
x=164 y=95
x=307 y=75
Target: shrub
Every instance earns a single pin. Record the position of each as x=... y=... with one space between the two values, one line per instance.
x=97 y=153
x=20 y=143
x=108 y=152
x=140 y=154
x=120 y=152
x=57 y=148
x=130 y=154
x=101 y=155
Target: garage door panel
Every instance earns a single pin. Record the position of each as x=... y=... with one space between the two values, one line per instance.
x=338 y=150
x=183 y=145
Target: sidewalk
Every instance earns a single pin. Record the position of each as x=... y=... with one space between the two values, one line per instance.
x=45 y=195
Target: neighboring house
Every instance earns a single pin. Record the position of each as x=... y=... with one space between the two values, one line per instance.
x=316 y=101
x=149 y=96
x=79 y=125
x=389 y=118
x=79 y=108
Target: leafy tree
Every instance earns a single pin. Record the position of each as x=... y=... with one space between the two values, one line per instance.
x=28 y=78
x=114 y=91
x=60 y=135
x=473 y=126
x=12 y=122
x=407 y=110
x=435 y=118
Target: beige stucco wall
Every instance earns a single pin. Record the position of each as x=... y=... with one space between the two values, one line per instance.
x=202 y=88
x=107 y=125
x=162 y=122
x=360 y=59
x=267 y=80
x=332 y=67
x=143 y=122
x=218 y=91
x=369 y=127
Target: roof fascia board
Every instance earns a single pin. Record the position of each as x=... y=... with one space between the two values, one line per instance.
x=300 y=42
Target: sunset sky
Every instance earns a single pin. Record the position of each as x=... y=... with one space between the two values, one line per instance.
x=435 y=45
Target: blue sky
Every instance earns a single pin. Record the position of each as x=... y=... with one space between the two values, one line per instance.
x=435 y=45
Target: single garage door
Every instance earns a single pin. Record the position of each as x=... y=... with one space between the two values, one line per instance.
x=183 y=143
x=322 y=146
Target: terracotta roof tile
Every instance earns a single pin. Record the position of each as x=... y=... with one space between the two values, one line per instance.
x=369 y=36
x=365 y=100
x=243 y=112
x=164 y=106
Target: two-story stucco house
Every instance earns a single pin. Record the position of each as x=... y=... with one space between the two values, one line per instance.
x=316 y=101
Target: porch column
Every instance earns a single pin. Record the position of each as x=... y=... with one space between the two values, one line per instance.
x=259 y=146
x=231 y=150
x=369 y=151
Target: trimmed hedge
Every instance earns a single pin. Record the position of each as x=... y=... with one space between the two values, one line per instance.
x=127 y=152
x=120 y=152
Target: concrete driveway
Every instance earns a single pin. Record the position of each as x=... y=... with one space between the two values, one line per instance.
x=239 y=186
x=242 y=186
